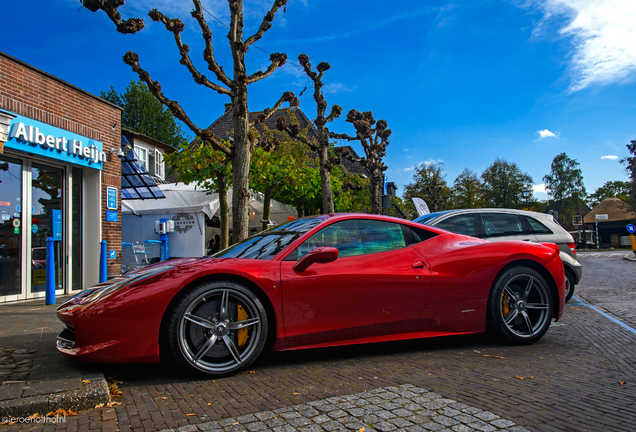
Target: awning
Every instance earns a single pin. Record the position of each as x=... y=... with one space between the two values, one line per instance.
x=136 y=181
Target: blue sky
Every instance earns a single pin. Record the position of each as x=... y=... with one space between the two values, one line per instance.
x=461 y=82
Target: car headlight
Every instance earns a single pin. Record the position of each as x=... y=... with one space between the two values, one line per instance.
x=97 y=293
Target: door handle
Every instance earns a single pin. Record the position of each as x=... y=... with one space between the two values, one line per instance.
x=418 y=265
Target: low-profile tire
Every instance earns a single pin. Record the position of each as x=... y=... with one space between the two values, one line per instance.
x=569 y=286
x=217 y=329
x=519 y=306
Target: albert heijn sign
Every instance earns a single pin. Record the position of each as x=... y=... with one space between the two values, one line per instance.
x=45 y=140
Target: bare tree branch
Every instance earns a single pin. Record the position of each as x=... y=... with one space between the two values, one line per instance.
x=132 y=59
x=175 y=26
x=129 y=26
x=208 y=53
x=277 y=60
x=266 y=24
x=267 y=112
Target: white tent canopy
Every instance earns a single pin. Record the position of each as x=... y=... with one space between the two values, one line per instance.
x=182 y=198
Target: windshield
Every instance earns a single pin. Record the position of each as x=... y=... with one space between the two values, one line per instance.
x=265 y=245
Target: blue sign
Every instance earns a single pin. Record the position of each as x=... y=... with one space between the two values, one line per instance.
x=56 y=215
x=111 y=216
x=631 y=228
x=111 y=198
x=34 y=229
x=45 y=140
x=112 y=254
x=386 y=179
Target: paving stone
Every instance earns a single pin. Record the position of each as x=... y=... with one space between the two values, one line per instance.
x=188 y=428
x=299 y=421
x=290 y=415
x=486 y=416
x=227 y=422
x=207 y=426
x=309 y=412
x=264 y=415
x=384 y=426
x=371 y=419
x=471 y=410
x=449 y=412
x=332 y=425
x=385 y=415
x=481 y=426
x=401 y=412
x=390 y=406
x=311 y=428
x=413 y=406
x=443 y=420
x=357 y=412
x=337 y=414
x=246 y=419
x=432 y=426
x=256 y=426
x=321 y=419
x=285 y=428
x=462 y=428
x=502 y=423
x=275 y=422
x=466 y=418
x=400 y=422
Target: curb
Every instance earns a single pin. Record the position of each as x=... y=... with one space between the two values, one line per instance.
x=631 y=256
x=93 y=392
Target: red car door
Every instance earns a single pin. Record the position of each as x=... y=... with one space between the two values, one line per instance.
x=365 y=297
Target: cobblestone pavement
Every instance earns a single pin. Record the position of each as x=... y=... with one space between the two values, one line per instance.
x=580 y=377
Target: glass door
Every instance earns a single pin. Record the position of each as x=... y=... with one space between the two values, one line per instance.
x=10 y=226
x=47 y=206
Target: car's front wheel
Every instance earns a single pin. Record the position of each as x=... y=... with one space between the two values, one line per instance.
x=519 y=306
x=217 y=328
x=569 y=286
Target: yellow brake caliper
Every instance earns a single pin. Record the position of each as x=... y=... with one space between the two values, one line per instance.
x=241 y=334
x=505 y=308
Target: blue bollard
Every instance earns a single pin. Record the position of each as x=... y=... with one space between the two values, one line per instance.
x=103 y=256
x=165 y=244
x=49 y=285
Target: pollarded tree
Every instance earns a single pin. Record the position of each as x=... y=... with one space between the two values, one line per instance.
x=504 y=184
x=328 y=156
x=429 y=183
x=374 y=141
x=240 y=151
x=467 y=191
x=564 y=181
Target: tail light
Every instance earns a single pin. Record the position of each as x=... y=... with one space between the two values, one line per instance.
x=572 y=247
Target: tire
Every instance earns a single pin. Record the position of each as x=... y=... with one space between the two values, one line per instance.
x=519 y=306
x=217 y=329
x=569 y=286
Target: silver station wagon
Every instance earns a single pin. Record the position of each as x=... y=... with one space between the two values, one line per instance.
x=507 y=224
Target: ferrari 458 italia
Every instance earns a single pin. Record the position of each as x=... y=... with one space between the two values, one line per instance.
x=316 y=282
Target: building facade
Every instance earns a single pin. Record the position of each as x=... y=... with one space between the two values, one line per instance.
x=60 y=178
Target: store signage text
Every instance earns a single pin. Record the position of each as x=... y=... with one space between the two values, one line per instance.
x=32 y=136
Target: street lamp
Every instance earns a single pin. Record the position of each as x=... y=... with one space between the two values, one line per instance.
x=526 y=194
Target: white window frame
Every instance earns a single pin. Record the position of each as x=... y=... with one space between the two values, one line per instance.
x=159 y=165
x=143 y=160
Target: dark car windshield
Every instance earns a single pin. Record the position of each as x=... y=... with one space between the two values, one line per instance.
x=265 y=245
x=426 y=218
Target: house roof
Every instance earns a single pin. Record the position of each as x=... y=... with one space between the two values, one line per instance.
x=615 y=209
x=223 y=128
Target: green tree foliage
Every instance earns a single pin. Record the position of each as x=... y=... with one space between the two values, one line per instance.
x=467 y=191
x=630 y=166
x=611 y=189
x=429 y=183
x=210 y=169
x=564 y=181
x=144 y=114
x=504 y=184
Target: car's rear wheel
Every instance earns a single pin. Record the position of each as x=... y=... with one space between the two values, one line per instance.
x=569 y=286
x=519 y=306
x=218 y=328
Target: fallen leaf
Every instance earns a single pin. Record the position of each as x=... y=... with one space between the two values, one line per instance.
x=521 y=378
x=99 y=405
x=192 y=414
x=621 y=382
x=163 y=397
x=209 y=404
x=486 y=355
x=361 y=430
x=250 y=372
x=235 y=423
x=295 y=393
x=85 y=381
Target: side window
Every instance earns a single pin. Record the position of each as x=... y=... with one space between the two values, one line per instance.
x=460 y=224
x=501 y=224
x=356 y=237
x=537 y=227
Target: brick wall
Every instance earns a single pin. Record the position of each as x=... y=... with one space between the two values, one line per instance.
x=35 y=94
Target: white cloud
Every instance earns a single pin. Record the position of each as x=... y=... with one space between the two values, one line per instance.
x=406 y=150
x=540 y=188
x=337 y=88
x=602 y=35
x=545 y=133
x=409 y=169
x=610 y=157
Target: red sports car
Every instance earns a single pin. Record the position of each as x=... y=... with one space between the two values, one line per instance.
x=316 y=282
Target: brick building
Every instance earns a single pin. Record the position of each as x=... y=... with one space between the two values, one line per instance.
x=60 y=177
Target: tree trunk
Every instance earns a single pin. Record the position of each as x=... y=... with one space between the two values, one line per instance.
x=267 y=205
x=223 y=210
x=376 y=207
x=325 y=178
x=301 y=207
x=240 y=166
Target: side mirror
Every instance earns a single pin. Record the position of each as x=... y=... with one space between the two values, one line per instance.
x=321 y=255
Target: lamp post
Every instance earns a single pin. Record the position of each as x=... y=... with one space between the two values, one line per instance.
x=526 y=194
